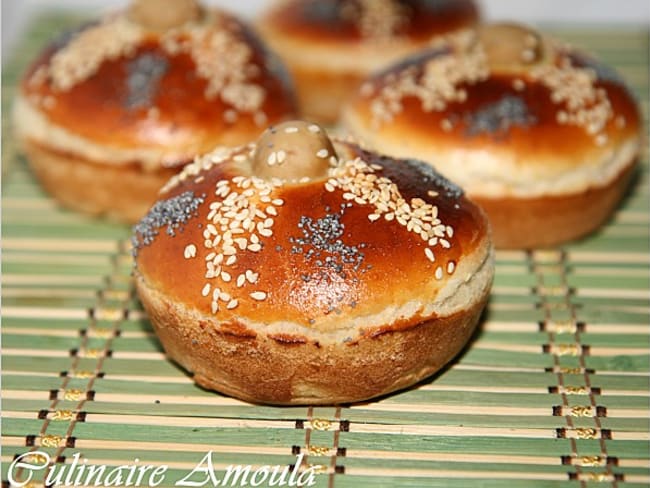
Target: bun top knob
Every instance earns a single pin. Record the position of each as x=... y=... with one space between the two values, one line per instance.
x=511 y=47
x=163 y=14
x=293 y=150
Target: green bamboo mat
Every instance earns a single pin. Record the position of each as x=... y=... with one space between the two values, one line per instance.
x=553 y=391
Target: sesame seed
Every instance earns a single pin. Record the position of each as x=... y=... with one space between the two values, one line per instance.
x=601 y=139
x=271 y=159
x=373 y=217
x=232 y=304
x=439 y=273
x=225 y=276
x=446 y=125
x=254 y=247
x=429 y=253
x=231 y=260
x=323 y=153
x=518 y=84
x=206 y=290
x=190 y=251
x=282 y=155
x=313 y=128
x=291 y=130
x=451 y=267
x=258 y=295
x=215 y=306
x=241 y=279
x=266 y=233
x=251 y=276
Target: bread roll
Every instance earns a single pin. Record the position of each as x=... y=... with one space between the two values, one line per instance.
x=109 y=112
x=543 y=137
x=304 y=270
x=330 y=46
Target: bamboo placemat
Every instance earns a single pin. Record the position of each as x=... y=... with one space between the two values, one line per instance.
x=554 y=390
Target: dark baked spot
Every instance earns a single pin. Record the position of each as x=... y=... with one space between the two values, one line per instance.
x=172 y=213
x=288 y=339
x=429 y=176
x=143 y=77
x=435 y=5
x=319 y=11
x=498 y=117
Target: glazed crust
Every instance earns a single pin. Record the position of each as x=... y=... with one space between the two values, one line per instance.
x=543 y=142
x=98 y=108
x=329 y=53
x=546 y=149
x=141 y=104
x=343 y=306
x=321 y=21
x=366 y=291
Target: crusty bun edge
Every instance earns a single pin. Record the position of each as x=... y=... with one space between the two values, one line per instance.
x=497 y=172
x=472 y=279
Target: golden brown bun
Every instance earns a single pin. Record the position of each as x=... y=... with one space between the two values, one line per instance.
x=124 y=92
x=540 y=135
x=330 y=46
x=292 y=289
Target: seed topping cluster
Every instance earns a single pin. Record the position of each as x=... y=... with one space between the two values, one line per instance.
x=224 y=61
x=85 y=52
x=583 y=104
x=206 y=162
x=435 y=83
x=173 y=213
x=376 y=20
x=238 y=221
x=361 y=184
x=322 y=240
x=441 y=76
x=216 y=45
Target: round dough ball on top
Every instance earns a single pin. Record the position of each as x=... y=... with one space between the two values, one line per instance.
x=109 y=112
x=305 y=270
x=541 y=136
x=330 y=46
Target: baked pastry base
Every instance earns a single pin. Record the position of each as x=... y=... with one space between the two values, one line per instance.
x=122 y=192
x=264 y=370
x=524 y=223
